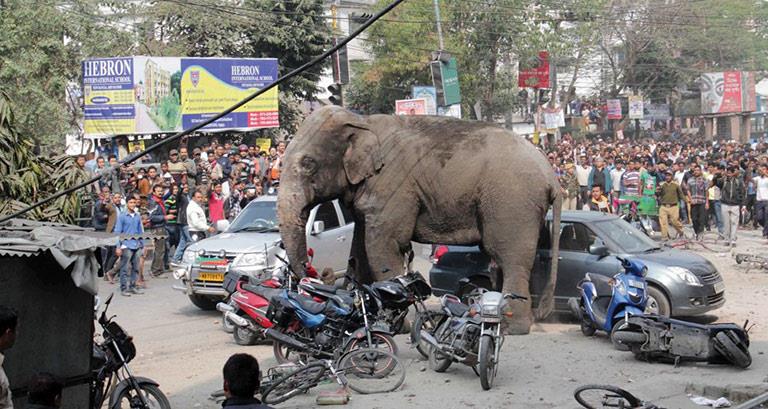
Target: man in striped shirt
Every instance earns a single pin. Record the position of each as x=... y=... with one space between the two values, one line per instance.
x=697 y=196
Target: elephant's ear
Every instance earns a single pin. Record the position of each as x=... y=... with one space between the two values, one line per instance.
x=362 y=158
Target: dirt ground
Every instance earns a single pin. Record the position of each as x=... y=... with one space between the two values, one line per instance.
x=184 y=349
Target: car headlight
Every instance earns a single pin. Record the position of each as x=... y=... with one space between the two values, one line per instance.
x=250 y=260
x=189 y=257
x=686 y=276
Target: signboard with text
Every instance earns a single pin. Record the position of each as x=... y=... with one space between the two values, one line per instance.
x=146 y=95
x=429 y=94
x=534 y=74
x=635 y=107
x=411 y=107
x=614 y=108
x=727 y=92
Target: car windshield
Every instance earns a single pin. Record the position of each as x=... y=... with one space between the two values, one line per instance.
x=629 y=239
x=258 y=216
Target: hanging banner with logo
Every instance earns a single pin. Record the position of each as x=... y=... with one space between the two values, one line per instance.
x=147 y=95
x=534 y=73
x=429 y=94
x=635 y=107
x=411 y=107
x=613 y=108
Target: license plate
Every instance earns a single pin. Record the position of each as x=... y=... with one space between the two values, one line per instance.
x=719 y=287
x=636 y=284
x=217 y=277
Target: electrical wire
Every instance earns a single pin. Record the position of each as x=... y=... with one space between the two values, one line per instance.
x=218 y=116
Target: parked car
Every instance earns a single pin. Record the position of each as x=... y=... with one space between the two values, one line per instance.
x=680 y=283
x=248 y=244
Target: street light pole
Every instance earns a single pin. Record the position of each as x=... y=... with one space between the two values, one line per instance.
x=439 y=27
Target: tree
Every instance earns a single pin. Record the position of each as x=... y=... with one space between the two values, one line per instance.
x=28 y=178
x=41 y=49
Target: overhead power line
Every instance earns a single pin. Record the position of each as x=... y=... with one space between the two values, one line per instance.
x=227 y=111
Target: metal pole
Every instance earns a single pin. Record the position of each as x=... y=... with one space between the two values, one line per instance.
x=439 y=27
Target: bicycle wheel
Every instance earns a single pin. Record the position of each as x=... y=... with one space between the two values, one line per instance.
x=368 y=371
x=294 y=383
x=605 y=396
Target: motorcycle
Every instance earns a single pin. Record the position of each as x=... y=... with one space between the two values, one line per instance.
x=470 y=334
x=249 y=299
x=652 y=337
x=629 y=213
x=605 y=302
x=112 y=376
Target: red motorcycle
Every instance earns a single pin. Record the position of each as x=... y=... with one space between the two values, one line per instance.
x=250 y=300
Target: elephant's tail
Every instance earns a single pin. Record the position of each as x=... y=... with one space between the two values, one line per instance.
x=547 y=301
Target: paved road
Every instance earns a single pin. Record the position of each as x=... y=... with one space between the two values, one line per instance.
x=184 y=349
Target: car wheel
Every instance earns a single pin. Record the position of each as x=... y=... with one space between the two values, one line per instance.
x=658 y=303
x=203 y=302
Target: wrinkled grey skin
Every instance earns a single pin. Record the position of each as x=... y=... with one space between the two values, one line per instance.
x=426 y=179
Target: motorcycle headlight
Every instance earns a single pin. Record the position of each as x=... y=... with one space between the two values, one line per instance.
x=250 y=260
x=491 y=310
x=189 y=257
x=686 y=276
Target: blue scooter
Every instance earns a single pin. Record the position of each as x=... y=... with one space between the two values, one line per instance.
x=606 y=303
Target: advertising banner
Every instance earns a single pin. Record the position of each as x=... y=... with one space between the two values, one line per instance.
x=535 y=74
x=453 y=111
x=146 y=95
x=657 y=112
x=727 y=92
x=411 y=107
x=635 y=107
x=553 y=118
x=429 y=94
x=614 y=108
x=445 y=78
x=264 y=144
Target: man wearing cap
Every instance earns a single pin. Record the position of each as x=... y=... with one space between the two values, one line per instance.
x=190 y=169
x=175 y=166
x=732 y=194
x=570 y=188
x=670 y=194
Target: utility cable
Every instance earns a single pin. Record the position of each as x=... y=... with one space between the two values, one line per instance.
x=220 y=115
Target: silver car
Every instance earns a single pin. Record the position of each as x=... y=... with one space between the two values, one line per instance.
x=249 y=245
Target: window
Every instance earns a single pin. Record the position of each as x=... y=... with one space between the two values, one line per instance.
x=326 y=213
x=347 y=214
x=576 y=237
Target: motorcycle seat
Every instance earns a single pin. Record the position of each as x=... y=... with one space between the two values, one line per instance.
x=265 y=292
x=306 y=304
x=457 y=309
x=603 y=287
x=319 y=287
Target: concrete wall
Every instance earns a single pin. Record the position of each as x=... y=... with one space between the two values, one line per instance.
x=55 y=332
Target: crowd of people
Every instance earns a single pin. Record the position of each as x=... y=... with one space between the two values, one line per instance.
x=681 y=181
x=179 y=201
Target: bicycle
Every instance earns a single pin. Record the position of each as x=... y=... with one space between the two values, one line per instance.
x=365 y=371
x=609 y=396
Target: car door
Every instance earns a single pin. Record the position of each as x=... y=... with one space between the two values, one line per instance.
x=328 y=243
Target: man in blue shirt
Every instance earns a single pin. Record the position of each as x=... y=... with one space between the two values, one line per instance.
x=129 y=250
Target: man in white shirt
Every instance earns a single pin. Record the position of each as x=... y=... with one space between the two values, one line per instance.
x=761 y=200
x=8 y=322
x=582 y=175
x=616 y=174
x=196 y=221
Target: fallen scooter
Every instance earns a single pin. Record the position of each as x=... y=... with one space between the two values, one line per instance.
x=606 y=302
x=651 y=337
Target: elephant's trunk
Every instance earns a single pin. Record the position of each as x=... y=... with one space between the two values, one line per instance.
x=293 y=211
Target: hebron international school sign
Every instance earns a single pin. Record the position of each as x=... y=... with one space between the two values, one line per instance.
x=143 y=95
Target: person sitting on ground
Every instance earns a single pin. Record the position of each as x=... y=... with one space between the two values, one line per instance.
x=44 y=392
x=241 y=382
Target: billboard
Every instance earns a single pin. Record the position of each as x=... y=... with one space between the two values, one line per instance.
x=535 y=74
x=727 y=92
x=429 y=94
x=614 y=108
x=411 y=106
x=445 y=78
x=657 y=112
x=635 y=107
x=146 y=95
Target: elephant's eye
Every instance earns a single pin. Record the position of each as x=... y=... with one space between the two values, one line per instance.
x=308 y=165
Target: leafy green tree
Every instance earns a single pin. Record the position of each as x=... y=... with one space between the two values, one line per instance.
x=41 y=50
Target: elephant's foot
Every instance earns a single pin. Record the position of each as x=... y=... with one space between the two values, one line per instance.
x=521 y=320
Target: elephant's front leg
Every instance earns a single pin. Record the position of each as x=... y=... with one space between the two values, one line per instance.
x=386 y=250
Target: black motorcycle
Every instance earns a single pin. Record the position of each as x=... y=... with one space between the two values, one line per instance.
x=652 y=337
x=113 y=378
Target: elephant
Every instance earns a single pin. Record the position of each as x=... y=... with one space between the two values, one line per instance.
x=427 y=179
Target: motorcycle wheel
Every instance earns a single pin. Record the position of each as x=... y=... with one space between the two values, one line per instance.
x=622 y=326
x=438 y=361
x=587 y=328
x=285 y=354
x=227 y=325
x=428 y=321
x=628 y=339
x=486 y=362
x=379 y=340
x=151 y=393
x=244 y=336
x=730 y=346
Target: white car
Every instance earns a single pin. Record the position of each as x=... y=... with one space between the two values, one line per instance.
x=248 y=244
